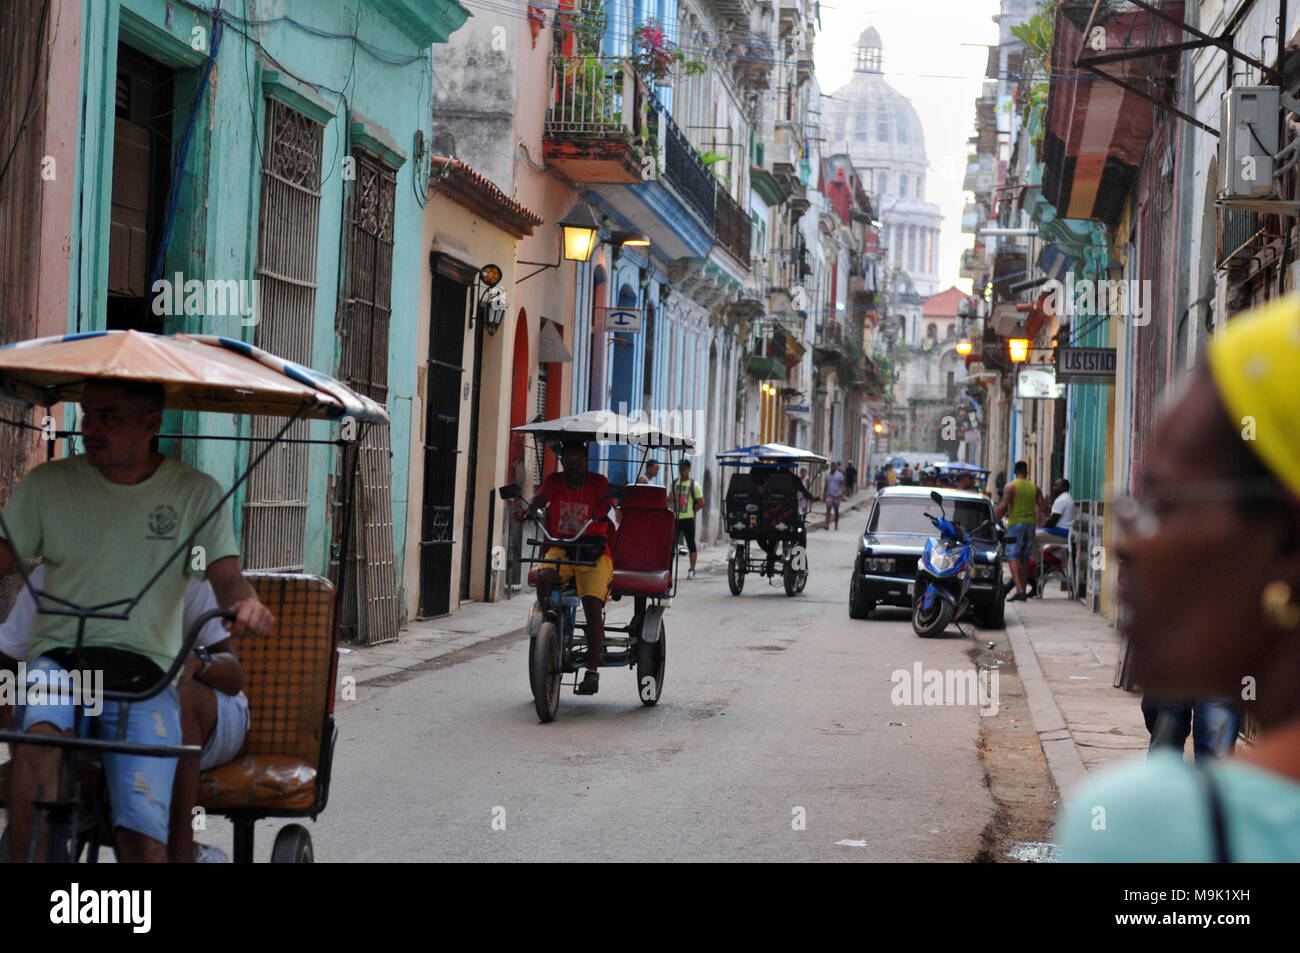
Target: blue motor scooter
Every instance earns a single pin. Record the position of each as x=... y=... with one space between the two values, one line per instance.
x=942 y=576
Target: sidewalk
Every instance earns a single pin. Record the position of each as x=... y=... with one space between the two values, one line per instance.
x=1066 y=658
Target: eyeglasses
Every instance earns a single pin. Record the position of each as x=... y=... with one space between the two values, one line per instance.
x=1143 y=516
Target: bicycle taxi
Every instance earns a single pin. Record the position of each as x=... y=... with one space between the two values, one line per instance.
x=765 y=506
x=642 y=546
x=950 y=473
x=283 y=770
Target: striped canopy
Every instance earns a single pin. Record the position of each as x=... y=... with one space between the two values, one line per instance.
x=201 y=372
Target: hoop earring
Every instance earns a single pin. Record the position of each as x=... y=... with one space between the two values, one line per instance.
x=1277 y=605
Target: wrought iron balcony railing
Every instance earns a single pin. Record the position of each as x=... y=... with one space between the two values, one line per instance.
x=595 y=96
x=732 y=226
x=685 y=170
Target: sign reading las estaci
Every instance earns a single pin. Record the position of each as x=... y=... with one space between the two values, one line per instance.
x=1085 y=365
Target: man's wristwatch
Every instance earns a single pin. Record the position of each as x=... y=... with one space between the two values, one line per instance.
x=206 y=658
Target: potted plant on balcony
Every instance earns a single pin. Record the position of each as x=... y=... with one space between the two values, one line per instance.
x=655 y=56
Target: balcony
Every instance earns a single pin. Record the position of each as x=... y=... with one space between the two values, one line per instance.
x=732 y=226
x=765 y=368
x=752 y=56
x=595 y=131
x=829 y=344
x=787 y=156
x=684 y=169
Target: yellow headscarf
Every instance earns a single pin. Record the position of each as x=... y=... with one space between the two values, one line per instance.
x=1255 y=363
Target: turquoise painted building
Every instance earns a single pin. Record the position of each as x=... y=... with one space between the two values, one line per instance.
x=276 y=154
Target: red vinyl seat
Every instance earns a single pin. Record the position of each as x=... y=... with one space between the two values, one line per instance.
x=643 y=551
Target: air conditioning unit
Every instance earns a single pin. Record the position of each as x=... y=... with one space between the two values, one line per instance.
x=1248 y=121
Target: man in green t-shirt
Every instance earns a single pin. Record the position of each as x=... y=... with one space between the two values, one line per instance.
x=1021 y=501
x=688 y=499
x=105 y=522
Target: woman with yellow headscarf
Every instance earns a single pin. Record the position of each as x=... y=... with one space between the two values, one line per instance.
x=1210 y=574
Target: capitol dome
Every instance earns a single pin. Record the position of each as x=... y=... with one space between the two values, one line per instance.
x=879 y=129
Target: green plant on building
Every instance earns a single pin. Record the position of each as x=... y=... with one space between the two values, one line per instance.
x=586 y=24
x=1036 y=34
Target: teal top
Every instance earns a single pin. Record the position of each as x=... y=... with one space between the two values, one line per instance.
x=1159 y=810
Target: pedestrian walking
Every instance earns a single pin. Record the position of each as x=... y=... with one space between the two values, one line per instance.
x=851 y=478
x=834 y=494
x=688 y=500
x=1204 y=627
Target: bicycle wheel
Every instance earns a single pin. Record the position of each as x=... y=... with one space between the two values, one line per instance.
x=650 y=659
x=544 y=671
x=736 y=571
x=292 y=846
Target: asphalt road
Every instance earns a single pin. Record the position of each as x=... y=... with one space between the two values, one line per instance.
x=775 y=711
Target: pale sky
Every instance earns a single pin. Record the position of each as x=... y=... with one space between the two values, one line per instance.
x=924 y=59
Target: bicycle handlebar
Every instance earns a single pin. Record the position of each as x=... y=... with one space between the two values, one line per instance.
x=190 y=638
x=575 y=538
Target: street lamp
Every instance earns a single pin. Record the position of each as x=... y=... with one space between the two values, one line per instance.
x=1018 y=345
x=630 y=240
x=580 y=227
x=964 y=347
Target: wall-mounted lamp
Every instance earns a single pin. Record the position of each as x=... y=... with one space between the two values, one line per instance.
x=630 y=240
x=1018 y=345
x=578 y=240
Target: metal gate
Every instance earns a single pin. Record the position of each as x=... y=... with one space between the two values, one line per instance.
x=370 y=612
x=275 y=506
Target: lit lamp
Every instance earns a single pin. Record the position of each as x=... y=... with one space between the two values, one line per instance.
x=580 y=227
x=879 y=428
x=630 y=240
x=1018 y=346
x=963 y=347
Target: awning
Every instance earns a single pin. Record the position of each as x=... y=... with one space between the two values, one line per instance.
x=1099 y=117
x=201 y=372
x=550 y=346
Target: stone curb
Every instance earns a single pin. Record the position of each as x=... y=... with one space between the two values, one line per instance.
x=1057 y=743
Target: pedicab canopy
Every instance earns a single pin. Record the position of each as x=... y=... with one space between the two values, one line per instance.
x=605 y=426
x=959 y=467
x=770 y=454
x=201 y=372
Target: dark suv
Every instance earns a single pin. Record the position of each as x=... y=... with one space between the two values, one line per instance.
x=885 y=568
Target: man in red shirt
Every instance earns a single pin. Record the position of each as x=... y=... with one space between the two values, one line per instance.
x=575 y=496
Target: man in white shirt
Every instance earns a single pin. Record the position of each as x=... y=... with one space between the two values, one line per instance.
x=1056 y=531
x=214 y=709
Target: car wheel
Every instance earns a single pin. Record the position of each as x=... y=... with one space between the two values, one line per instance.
x=994 y=617
x=859 y=608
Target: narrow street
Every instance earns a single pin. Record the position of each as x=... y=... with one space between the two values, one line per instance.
x=770 y=704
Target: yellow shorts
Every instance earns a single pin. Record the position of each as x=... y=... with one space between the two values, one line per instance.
x=592 y=580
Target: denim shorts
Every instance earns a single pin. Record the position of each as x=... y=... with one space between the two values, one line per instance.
x=228 y=733
x=139 y=787
x=1020 y=541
